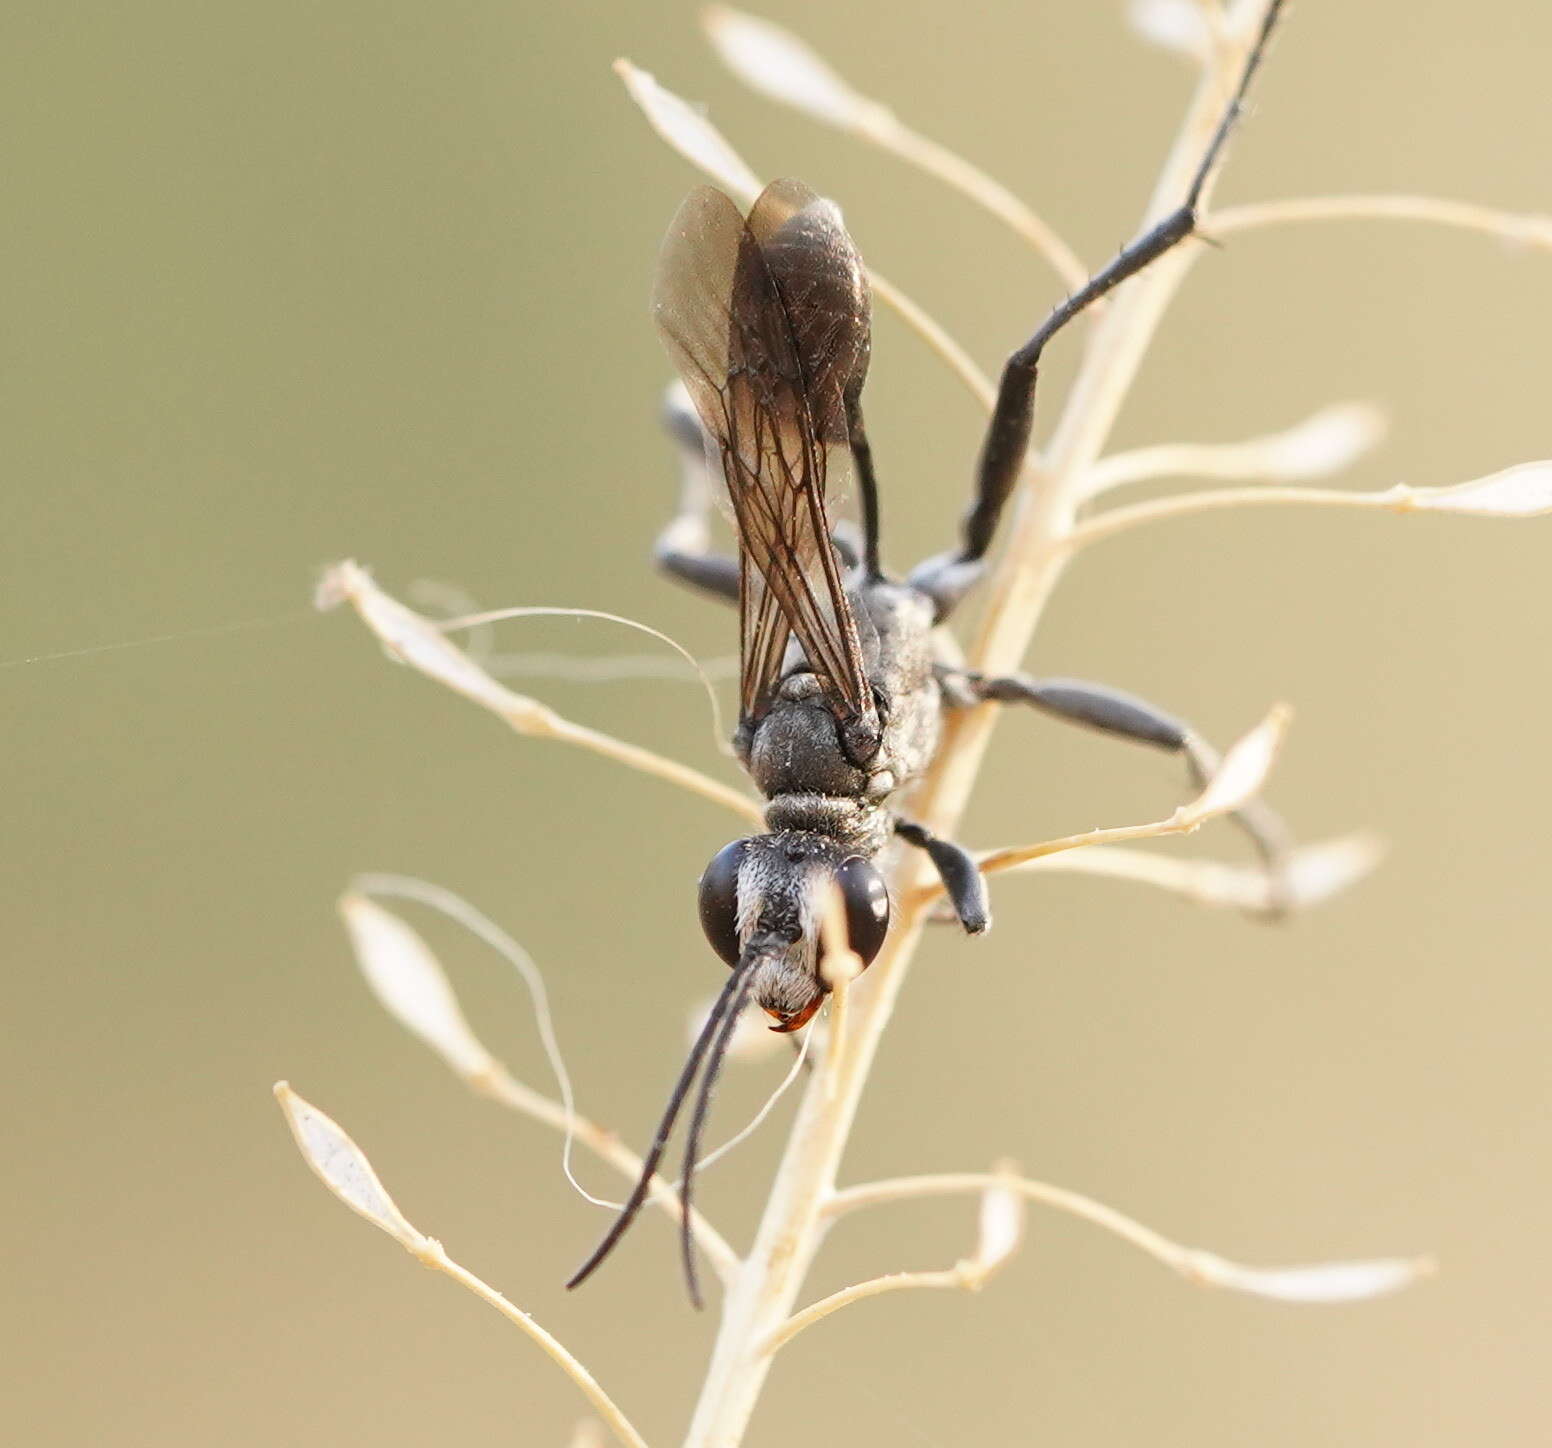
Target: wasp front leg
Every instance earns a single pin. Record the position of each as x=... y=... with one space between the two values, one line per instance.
x=962 y=879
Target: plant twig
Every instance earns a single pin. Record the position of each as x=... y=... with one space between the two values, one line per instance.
x=1002 y=1228
x=936 y=336
x=1520 y=229
x=420 y=642
x=343 y=1168
x=1311 y=874
x=1324 y=443
x=1237 y=781
x=1329 y=1282
x=1524 y=491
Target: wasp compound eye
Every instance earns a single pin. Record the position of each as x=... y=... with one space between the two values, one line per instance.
x=867 y=907
x=719 y=901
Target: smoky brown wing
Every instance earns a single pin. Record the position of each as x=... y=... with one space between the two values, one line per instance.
x=767 y=324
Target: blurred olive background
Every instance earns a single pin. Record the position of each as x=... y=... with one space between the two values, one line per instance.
x=292 y=282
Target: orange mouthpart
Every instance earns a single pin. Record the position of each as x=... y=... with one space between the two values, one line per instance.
x=785 y=1024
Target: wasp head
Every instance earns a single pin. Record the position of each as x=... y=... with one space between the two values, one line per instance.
x=761 y=900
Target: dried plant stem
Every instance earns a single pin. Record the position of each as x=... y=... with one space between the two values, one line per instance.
x=1279 y=457
x=551 y=725
x=1397 y=499
x=344 y=1169
x=421 y=643
x=1328 y=1282
x=762 y=1296
x=1521 y=229
x=433 y=1256
x=970 y=181
x=900 y=1189
x=936 y=336
x=949 y=1277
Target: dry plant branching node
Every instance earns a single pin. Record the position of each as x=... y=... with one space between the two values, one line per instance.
x=1001 y=1230
x=1052 y=492
x=410 y=983
x=343 y=1168
x=422 y=643
x=1318 y=1282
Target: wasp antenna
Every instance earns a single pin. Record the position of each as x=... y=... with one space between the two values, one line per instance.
x=738 y=988
x=649 y=1165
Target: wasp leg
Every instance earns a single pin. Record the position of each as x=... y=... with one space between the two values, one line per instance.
x=946 y=578
x=961 y=876
x=683 y=548
x=1111 y=711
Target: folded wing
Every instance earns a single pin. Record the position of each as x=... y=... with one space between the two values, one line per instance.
x=767 y=322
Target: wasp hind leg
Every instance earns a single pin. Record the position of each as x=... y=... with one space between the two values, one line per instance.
x=1125 y=716
x=946 y=578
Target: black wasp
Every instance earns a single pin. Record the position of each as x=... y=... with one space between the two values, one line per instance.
x=842 y=681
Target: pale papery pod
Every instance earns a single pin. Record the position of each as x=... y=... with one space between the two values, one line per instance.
x=1177 y=25
x=342 y=1167
x=1245 y=766
x=418 y=642
x=1311 y=875
x=1524 y=491
x=1325 y=442
x=409 y=982
x=1321 y=1283
x=776 y=63
x=1001 y=1227
x=1317 y=872
x=688 y=131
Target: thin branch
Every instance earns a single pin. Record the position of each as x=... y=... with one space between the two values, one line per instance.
x=1524 y=491
x=1323 y=1282
x=1312 y=874
x=419 y=642
x=489 y=617
x=778 y=64
x=955 y=1277
x=969 y=180
x=839 y=966
x=1237 y=781
x=1324 y=443
x=960 y=363
x=409 y=982
x=1120 y=520
x=343 y=1168
x=1520 y=229
x=899 y=1189
x=1001 y=1230
x=436 y=1257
